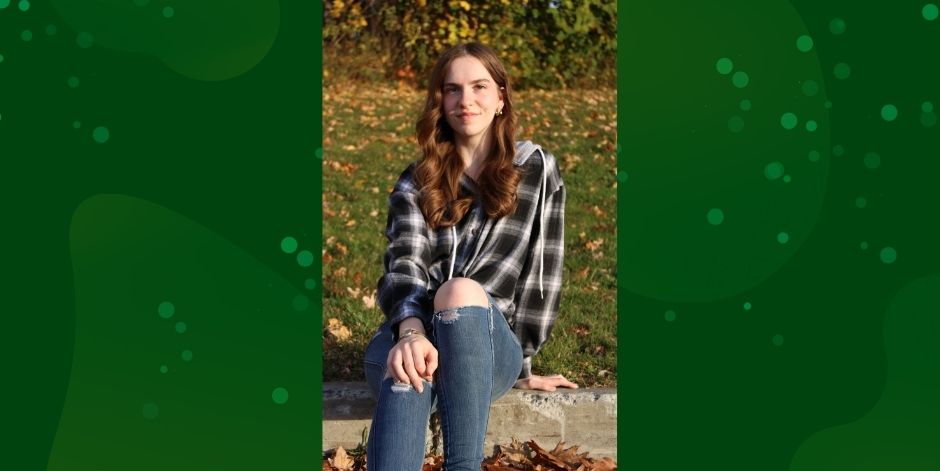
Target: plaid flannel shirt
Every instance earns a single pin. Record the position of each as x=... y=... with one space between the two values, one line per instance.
x=516 y=260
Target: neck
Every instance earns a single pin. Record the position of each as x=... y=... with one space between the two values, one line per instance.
x=474 y=152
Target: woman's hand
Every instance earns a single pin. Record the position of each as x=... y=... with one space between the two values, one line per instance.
x=544 y=383
x=412 y=360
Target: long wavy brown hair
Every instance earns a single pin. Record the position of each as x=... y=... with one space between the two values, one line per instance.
x=438 y=173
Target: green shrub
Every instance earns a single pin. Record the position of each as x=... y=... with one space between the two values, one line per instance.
x=544 y=43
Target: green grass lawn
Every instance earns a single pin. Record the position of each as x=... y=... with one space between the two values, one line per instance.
x=368 y=133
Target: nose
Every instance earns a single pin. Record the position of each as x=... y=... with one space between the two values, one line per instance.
x=466 y=98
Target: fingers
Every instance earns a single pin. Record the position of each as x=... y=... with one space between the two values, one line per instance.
x=412 y=362
x=431 y=362
x=395 y=367
x=545 y=383
x=413 y=359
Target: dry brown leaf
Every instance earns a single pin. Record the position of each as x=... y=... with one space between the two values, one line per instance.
x=593 y=245
x=369 y=301
x=341 y=461
x=337 y=331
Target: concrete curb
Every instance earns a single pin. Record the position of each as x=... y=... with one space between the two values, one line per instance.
x=583 y=417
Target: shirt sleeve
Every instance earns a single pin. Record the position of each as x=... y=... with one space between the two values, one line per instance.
x=536 y=309
x=403 y=288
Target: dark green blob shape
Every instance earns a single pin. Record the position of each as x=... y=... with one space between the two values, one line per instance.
x=679 y=141
x=120 y=412
x=901 y=430
x=206 y=40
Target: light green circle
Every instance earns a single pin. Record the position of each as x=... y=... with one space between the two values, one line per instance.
x=301 y=303
x=837 y=26
x=740 y=79
x=72 y=82
x=166 y=309
x=187 y=355
x=861 y=202
x=289 y=244
x=863 y=245
x=305 y=258
x=872 y=160
x=150 y=411
x=51 y=30
x=76 y=124
x=747 y=306
x=319 y=153
x=168 y=12
x=84 y=40
x=786 y=179
x=310 y=283
x=670 y=316
x=838 y=150
x=928 y=119
x=788 y=120
x=24 y=5
x=724 y=66
x=101 y=134
x=622 y=175
x=26 y=35
x=715 y=216
x=804 y=43
x=827 y=104
x=926 y=107
x=181 y=327
x=811 y=125
x=813 y=156
x=889 y=112
x=842 y=71
x=783 y=237
x=1 y=58
x=745 y=105
x=279 y=395
x=777 y=340
x=4 y=3
x=736 y=124
x=810 y=88
x=888 y=255
x=774 y=170
x=164 y=369
x=930 y=12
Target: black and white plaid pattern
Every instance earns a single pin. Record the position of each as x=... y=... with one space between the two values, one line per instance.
x=502 y=255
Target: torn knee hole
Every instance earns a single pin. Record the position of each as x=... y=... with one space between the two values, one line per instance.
x=401 y=387
x=448 y=316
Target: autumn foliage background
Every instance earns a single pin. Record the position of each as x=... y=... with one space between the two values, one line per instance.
x=561 y=58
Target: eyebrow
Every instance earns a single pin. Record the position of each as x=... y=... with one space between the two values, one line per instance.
x=472 y=82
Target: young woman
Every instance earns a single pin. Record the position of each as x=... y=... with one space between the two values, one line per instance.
x=472 y=270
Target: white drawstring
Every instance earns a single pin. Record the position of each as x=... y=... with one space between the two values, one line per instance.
x=453 y=255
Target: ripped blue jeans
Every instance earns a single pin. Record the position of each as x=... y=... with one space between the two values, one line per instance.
x=479 y=360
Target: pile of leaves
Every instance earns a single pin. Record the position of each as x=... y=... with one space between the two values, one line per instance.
x=512 y=457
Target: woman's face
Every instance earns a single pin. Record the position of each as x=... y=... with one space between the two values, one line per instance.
x=471 y=99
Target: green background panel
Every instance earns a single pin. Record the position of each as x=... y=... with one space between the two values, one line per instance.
x=208 y=161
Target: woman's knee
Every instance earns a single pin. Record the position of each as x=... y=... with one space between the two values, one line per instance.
x=458 y=292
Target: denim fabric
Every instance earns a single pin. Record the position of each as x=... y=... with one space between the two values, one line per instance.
x=479 y=360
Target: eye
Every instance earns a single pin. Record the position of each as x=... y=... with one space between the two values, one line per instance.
x=480 y=86
x=450 y=90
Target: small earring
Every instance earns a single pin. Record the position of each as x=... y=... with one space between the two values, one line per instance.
x=499 y=112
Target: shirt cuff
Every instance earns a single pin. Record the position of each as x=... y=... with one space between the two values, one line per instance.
x=526 y=368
